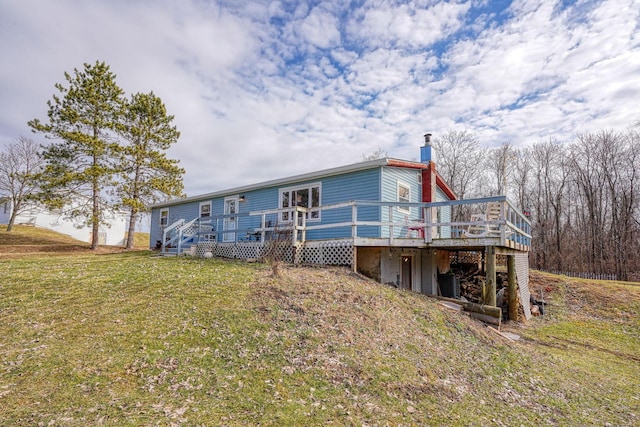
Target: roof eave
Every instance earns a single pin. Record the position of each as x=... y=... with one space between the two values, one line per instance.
x=370 y=164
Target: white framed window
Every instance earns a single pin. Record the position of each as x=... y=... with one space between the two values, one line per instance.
x=404 y=196
x=164 y=217
x=205 y=209
x=308 y=196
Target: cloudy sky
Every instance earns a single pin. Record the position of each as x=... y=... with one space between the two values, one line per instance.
x=265 y=89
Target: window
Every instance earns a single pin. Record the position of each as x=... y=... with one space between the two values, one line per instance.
x=164 y=217
x=205 y=209
x=404 y=196
x=6 y=207
x=308 y=196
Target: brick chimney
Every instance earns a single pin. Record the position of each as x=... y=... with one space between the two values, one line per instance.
x=427 y=156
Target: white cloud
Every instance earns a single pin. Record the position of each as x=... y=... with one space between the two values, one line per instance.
x=320 y=29
x=387 y=25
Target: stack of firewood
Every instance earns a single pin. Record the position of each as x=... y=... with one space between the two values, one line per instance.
x=472 y=282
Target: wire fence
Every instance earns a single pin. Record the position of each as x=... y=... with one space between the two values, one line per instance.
x=584 y=275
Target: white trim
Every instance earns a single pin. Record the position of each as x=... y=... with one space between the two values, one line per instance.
x=315 y=215
x=165 y=210
x=402 y=209
x=200 y=209
x=230 y=223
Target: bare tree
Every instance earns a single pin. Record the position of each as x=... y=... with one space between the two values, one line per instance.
x=522 y=178
x=583 y=197
x=278 y=249
x=460 y=159
x=542 y=220
x=500 y=162
x=590 y=184
x=619 y=156
x=378 y=154
x=20 y=161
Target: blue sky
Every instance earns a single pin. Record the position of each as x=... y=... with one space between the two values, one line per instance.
x=267 y=89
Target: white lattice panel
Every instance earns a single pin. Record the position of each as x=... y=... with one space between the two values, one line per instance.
x=280 y=250
x=204 y=247
x=328 y=253
x=522 y=274
x=320 y=253
x=243 y=250
x=190 y=230
x=247 y=250
x=312 y=255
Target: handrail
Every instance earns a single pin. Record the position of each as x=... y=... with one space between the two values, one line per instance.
x=512 y=224
x=181 y=230
x=174 y=225
x=167 y=230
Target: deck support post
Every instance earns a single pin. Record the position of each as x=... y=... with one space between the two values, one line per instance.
x=491 y=276
x=354 y=263
x=513 y=292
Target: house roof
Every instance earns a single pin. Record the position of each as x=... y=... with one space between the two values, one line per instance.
x=354 y=167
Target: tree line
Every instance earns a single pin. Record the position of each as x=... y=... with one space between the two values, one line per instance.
x=582 y=196
x=107 y=153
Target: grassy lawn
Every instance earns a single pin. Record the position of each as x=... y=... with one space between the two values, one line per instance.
x=121 y=339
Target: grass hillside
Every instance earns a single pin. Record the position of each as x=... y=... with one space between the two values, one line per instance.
x=26 y=239
x=133 y=339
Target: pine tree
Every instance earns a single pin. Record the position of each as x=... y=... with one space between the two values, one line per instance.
x=146 y=174
x=79 y=167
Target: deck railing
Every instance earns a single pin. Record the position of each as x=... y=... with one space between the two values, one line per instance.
x=493 y=220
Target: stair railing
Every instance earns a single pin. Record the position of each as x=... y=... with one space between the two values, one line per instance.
x=168 y=237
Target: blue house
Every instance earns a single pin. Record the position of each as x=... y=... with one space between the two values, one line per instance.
x=393 y=220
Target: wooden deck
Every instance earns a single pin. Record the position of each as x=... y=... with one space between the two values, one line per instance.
x=493 y=222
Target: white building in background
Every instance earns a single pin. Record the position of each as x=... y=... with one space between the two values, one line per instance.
x=113 y=235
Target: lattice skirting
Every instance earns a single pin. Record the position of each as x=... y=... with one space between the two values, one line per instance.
x=242 y=250
x=522 y=275
x=327 y=253
x=473 y=257
x=321 y=253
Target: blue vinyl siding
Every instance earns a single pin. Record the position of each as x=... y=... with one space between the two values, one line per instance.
x=256 y=200
x=187 y=211
x=361 y=185
x=391 y=176
x=375 y=184
x=358 y=185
